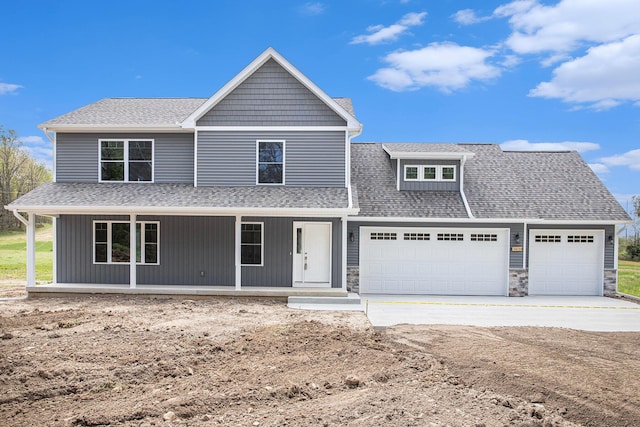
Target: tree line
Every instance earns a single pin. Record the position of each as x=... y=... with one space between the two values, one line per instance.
x=19 y=174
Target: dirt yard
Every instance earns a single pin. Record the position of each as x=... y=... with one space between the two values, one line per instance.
x=142 y=361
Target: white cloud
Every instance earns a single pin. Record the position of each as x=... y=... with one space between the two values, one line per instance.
x=39 y=149
x=468 y=17
x=510 y=61
x=6 y=88
x=380 y=34
x=630 y=159
x=599 y=168
x=524 y=145
x=605 y=77
x=311 y=8
x=564 y=26
x=446 y=66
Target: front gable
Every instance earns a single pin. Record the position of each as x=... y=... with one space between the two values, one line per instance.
x=271 y=92
x=271 y=97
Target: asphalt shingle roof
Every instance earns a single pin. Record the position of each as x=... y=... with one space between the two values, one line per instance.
x=141 y=112
x=497 y=184
x=94 y=196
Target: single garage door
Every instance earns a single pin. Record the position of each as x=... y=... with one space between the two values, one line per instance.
x=401 y=260
x=566 y=262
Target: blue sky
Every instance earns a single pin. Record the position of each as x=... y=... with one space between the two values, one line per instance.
x=526 y=74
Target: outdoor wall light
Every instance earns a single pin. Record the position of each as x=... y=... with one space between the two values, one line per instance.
x=610 y=239
x=352 y=237
x=516 y=237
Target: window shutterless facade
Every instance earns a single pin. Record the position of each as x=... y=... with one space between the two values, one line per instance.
x=252 y=244
x=270 y=162
x=430 y=173
x=126 y=160
x=111 y=242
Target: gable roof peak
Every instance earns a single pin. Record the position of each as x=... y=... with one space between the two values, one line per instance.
x=270 y=53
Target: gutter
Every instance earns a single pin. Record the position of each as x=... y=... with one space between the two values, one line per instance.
x=20 y=217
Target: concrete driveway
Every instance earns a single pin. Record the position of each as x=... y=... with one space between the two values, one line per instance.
x=580 y=312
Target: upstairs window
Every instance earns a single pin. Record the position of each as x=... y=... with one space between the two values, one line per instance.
x=429 y=173
x=270 y=162
x=126 y=160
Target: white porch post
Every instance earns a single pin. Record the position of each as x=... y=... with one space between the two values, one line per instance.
x=344 y=253
x=238 y=240
x=31 y=250
x=132 y=251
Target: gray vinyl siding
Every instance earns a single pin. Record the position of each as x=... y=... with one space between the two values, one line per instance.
x=609 y=230
x=271 y=97
x=278 y=253
x=353 y=248
x=77 y=156
x=428 y=185
x=312 y=158
x=188 y=246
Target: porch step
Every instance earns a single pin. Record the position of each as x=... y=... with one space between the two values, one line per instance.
x=351 y=298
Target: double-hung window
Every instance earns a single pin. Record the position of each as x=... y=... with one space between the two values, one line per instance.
x=126 y=160
x=270 y=167
x=251 y=243
x=430 y=173
x=112 y=245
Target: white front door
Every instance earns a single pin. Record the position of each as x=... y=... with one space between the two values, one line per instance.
x=312 y=254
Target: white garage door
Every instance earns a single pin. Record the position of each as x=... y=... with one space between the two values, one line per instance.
x=566 y=262
x=456 y=261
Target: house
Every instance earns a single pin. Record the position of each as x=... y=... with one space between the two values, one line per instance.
x=260 y=190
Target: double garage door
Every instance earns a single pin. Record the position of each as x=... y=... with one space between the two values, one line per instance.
x=446 y=261
x=566 y=262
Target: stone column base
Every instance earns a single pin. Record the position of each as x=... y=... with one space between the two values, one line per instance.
x=518 y=282
x=353 y=279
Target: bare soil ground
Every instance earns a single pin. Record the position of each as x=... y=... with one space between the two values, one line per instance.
x=142 y=361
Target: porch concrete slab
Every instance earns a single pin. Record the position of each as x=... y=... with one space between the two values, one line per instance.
x=576 y=312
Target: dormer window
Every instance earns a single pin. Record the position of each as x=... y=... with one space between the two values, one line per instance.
x=430 y=173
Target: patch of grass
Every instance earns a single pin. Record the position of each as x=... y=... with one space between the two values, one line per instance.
x=13 y=255
x=629 y=277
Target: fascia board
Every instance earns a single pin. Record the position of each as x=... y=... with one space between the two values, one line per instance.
x=190 y=122
x=412 y=155
x=488 y=220
x=191 y=211
x=114 y=128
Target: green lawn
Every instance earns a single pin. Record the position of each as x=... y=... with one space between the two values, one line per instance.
x=13 y=255
x=629 y=277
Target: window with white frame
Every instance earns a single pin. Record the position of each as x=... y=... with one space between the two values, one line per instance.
x=112 y=245
x=126 y=160
x=270 y=167
x=430 y=173
x=251 y=243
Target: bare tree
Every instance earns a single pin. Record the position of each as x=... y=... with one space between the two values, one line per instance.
x=19 y=174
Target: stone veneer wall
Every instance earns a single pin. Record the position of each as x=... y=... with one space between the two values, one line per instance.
x=353 y=279
x=610 y=281
x=518 y=282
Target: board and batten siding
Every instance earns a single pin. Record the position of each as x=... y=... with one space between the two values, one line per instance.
x=312 y=158
x=77 y=156
x=277 y=270
x=193 y=251
x=271 y=97
x=353 y=248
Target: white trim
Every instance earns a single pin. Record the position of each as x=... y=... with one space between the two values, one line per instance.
x=525 y=244
x=133 y=255
x=126 y=160
x=481 y=220
x=192 y=211
x=132 y=249
x=347 y=163
x=271 y=128
x=427 y=155
x=117 y=128
x=398 y=174
x=195 y=159
x=345 y=232
x=464 y=196
x=261 y=243
x=284 y=158
x=439 y=172
x=269 y=53
x=31 y=251
x=238 y=251
x=54 y=249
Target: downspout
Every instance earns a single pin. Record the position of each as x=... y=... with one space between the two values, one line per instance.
x=464 y=198
x=20 y=217
x=53 y=142
x=350 y=136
